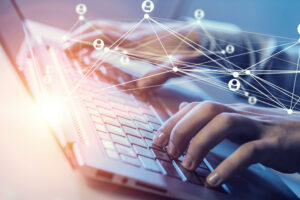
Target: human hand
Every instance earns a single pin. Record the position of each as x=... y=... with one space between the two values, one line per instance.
x=270 y=137
x=144 y=43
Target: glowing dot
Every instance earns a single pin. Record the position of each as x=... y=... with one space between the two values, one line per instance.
x=64 y=38
x=299 y=28
x=170 y=57
x=246 y=94
x=125 y=52
x=235 y=74
x=116 y=48
x=290 y=111
x=106 y=49
x=175 y=69
x=146 y=16
x=223 y=52
x=199 y=14
x=81 y=18
x=248 y=72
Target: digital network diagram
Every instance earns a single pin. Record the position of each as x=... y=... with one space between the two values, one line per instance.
x=218 y=64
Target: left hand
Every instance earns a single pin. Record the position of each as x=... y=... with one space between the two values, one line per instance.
x=270 y=136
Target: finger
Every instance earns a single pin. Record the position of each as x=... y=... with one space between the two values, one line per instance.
x=212 y=134
x=243 y=157
x=162 y=136
x=191 y=123
x=182 y=105
x=155 y=77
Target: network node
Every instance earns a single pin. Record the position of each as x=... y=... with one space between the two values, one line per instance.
x=248 y=72
x=116 y=48
x=147 y=6
x=106 y=49
x=146 y=16
x=175 y=69
x=98 y=44
x=81 y=9
x=299 y=28
x=246 y=94
x=81 y=18
x=170 y=57
x=64 y=38
x=124 y=60
x=223 y=52
x=234 y=85
x=124 y=52
x=230 y=49
x=235 y=74
x=290 y=111
x=199 y=14
x=252 y=100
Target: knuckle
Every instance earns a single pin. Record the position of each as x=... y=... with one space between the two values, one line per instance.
x=210 y=106
x=253 y=148
x=227 y=118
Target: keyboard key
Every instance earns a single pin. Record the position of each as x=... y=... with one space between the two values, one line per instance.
x=130 y=160
x=203 y=165
x=125 y=150
x=153 y=119
x=137 y=141
x=155 y=126
x=126 y=122
x=106 y=112
x=143 y=151
x=100 y=127
x=93 y=111
x=123 y=114
x=97 y=119
x=102 y=105
x=169 y=169
x=161 y=155
x=120 y=140
x=108 y=144
x=112 y=154
x=202 y=172
x=146 y=134
x=115 y=130
x=131 y=131
x=149 y=164
x=103 y=135
x=118 y=106
x=138 y=117
x=143 y=126
x=109 y=120
x=189 y=176
x=153 y=146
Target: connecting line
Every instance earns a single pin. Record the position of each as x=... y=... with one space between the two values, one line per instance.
x=71 y=29
x=269 y=92
x=283 y=91
x=96 y=64
x=260 y=92
x=295 y=80
x=166 y=28
x=263 y=60
x=254 y=51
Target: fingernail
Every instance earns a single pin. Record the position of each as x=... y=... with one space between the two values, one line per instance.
x=187 y=163
x=214 y=179
x=172 y=150
x=158 y=139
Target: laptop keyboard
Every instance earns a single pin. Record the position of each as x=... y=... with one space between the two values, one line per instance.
x=126 y=126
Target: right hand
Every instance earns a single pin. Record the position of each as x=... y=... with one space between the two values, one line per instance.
x=142 y=43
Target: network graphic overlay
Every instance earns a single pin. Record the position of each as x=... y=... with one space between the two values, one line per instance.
x=173 y=57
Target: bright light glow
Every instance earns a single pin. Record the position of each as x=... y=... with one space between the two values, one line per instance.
x=51 y=110
x=290 y=111
x=235 y=74
x=81 y=18
x=248 y=72
x=146 y=16
x=106 y=49
x=175 y=69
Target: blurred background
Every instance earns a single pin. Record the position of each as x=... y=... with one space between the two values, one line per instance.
x=279 y=17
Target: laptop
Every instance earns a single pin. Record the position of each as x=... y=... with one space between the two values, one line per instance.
x=106 y=132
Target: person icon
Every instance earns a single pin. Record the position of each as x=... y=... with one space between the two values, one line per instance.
x=230 y=49
x=124 y=60
x=81 y=9
x=147 y=6
x=199 y=14
x=234 y=84
x=252 y=100
x=98 y=44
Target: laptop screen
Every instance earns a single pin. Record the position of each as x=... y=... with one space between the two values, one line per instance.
x=11 y=31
